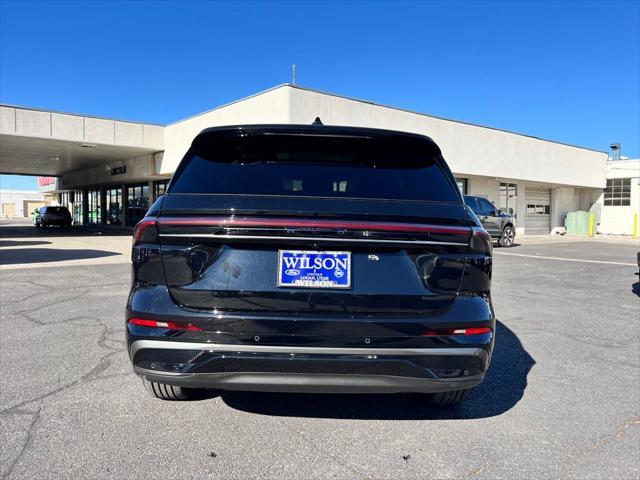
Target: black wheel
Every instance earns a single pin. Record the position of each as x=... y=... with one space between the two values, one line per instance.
x=508 y=236
x=167 y=392
x=453 y=397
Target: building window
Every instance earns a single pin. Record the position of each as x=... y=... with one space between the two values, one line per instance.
x=508 y=197
x=65 y=199
x=538 y=209
x=160 y=188
x=618 y=192
x=462 y=185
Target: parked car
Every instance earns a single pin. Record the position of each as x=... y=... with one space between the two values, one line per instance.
x=311 y=259
x=500 y=225
x=47 y=216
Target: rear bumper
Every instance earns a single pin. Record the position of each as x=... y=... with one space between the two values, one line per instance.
x=312 y=383
x=309 y=369
x=56 y=221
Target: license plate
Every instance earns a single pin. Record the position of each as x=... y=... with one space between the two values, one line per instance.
x=309 y=269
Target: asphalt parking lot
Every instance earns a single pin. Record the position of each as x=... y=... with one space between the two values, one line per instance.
x=561 y=399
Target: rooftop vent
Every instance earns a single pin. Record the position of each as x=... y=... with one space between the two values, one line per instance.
x=614 y=153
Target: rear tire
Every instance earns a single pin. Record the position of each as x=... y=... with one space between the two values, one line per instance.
x=453 y=397
x=508 y=237
x=167 y=392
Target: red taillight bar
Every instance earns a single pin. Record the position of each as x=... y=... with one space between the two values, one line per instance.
x=310 y=223
x=143 y=322
x=457 y=331
x=142 y=225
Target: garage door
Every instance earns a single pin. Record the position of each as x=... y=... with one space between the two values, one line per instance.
x=31 y=206
x=9 y=210
x=538 y=218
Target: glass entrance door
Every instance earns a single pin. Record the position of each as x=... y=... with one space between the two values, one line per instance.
x=94 y=207
x=137 y=203
x=76 y=204
x=508 y=198
x=114 y=214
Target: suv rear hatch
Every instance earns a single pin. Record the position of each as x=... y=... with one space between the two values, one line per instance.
x=315 y=220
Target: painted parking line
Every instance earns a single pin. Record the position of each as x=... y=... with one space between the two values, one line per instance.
x=566 y=259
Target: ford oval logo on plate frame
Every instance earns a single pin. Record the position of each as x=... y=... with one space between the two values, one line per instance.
x=311 y=269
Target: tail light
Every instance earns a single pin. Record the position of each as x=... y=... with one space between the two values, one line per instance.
x=146 y=231
x=456 y=331
x=480 y=242
x=143 y=322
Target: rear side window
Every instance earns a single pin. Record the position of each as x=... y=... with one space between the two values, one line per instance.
x=484 y=206
x=57 y=210
x=396 y=168
x=471 y=201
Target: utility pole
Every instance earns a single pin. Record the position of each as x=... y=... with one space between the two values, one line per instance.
x=294 y=74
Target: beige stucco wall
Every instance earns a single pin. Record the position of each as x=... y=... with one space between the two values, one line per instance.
x=138 y=169
x=468 y=149
x=618 y=220
x=269 y=107
x=26 y=122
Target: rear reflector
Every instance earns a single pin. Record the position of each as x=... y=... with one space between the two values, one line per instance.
x=456 y=331
x=143 y=322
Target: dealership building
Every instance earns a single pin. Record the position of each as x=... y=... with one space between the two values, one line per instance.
x=109 y=171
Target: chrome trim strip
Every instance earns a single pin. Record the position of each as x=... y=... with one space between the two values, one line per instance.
x=313 y=239
x=156 y=372
x=225 y=347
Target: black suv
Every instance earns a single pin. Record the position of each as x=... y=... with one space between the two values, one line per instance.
x=500 y=225
x=311 y=259
x=46 y=216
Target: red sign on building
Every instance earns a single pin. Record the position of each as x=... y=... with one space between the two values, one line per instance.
x=42 y=181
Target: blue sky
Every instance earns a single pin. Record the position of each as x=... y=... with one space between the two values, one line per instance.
x=566 y=71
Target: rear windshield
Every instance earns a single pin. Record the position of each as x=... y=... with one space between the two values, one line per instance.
x=57 y=210
x=398 y=168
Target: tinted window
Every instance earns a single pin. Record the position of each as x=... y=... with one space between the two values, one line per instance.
x=471 y=201
x=57 y=210
x=484 y=206
x=402 y=168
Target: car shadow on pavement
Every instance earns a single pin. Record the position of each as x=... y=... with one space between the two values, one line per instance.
x=14 y=231
x=20 y=256
x=502 y=388
x=22 y=243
